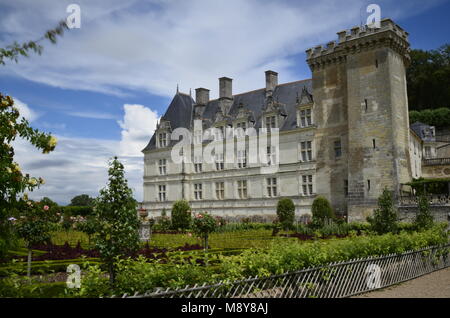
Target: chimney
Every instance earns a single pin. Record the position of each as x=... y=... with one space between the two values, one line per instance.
x=271 y=80
x=225 y=88
x=201 y=96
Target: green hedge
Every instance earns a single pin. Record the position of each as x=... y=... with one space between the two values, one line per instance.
x=42 y=267
x=77 y=210
x=21 y=288
x=282 y=256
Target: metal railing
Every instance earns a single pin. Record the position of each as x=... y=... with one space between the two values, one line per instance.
x=335 y=280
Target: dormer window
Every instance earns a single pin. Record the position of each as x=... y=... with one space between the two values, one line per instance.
x=271 y=122
x=304 y=118
x=162 y=140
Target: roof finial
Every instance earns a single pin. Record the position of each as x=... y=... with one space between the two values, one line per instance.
x=190 y=92
x=177 y=89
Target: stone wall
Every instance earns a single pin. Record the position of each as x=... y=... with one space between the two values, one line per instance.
x=408 y=213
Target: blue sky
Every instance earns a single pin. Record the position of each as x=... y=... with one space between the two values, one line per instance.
x=101 y=89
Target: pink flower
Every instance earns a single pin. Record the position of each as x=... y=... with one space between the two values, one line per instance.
x=46 y=207
x=189 y=234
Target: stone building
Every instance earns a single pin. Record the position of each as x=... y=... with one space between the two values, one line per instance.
x=343 y=134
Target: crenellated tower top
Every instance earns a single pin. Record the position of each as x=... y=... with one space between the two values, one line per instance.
x=358 y=39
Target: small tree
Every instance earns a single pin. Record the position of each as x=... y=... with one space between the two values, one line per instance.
x=424 y=219
x=181 y=215
x=286 y=212
x=385 y=216
x=203 y=225
x=34 y=225
x=321 y=211
x=117 y=220
x=82 y=200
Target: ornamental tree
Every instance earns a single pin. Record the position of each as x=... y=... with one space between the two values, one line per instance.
x=34 y=225
x=385 y=216
x=181 y=215
x=286 y=212
x=322 y=212
x=424 y=218
x=117 y=222
x=203 y=225
x=12 y=181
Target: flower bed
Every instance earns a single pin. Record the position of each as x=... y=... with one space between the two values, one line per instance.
x=283 y=256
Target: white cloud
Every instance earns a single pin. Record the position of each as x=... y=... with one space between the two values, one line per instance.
x=154 y=45
x=92 y=115
x=138 y=125
x=25 y=111
x=80 y=165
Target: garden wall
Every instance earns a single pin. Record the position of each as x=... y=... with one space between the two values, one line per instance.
x=408 y=213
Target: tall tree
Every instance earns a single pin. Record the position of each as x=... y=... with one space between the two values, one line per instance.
x=117 y=220
x=82 y=200
x=428 y=78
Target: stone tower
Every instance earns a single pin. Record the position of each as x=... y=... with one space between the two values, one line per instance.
x=361 y=111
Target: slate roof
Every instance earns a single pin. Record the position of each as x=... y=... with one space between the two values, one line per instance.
x=420 y=130
x=180 y=110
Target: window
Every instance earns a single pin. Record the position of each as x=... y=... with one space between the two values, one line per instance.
x=240 y=129
x=305 y=117
x=337 y=149
x=198 y=164
x=219 y=161
x=346 y=188
x=368 y=185
x=162 y=166
x=307 y=185
x=220 y=190
x=242 y=189
x=366 y=104
x=162 y=137
x=198 y=138
x=270 y=122
x=306 y=150
x=242 y=159
x=271 y=155
x=427 y=152
x=197 y=191
x=272 y=187
x=376 y=63
x=374 y=143
x=219 y=133
x=162 y=193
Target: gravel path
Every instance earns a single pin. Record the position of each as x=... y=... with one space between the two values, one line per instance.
x=434 y=285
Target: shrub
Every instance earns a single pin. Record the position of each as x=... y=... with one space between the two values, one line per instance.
x=424 y=219
x=385 y=217
x=286 y=212
x=203 y=225
x=321 y=211
x=77 y=210
x=283 y=256
x=181 y=215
